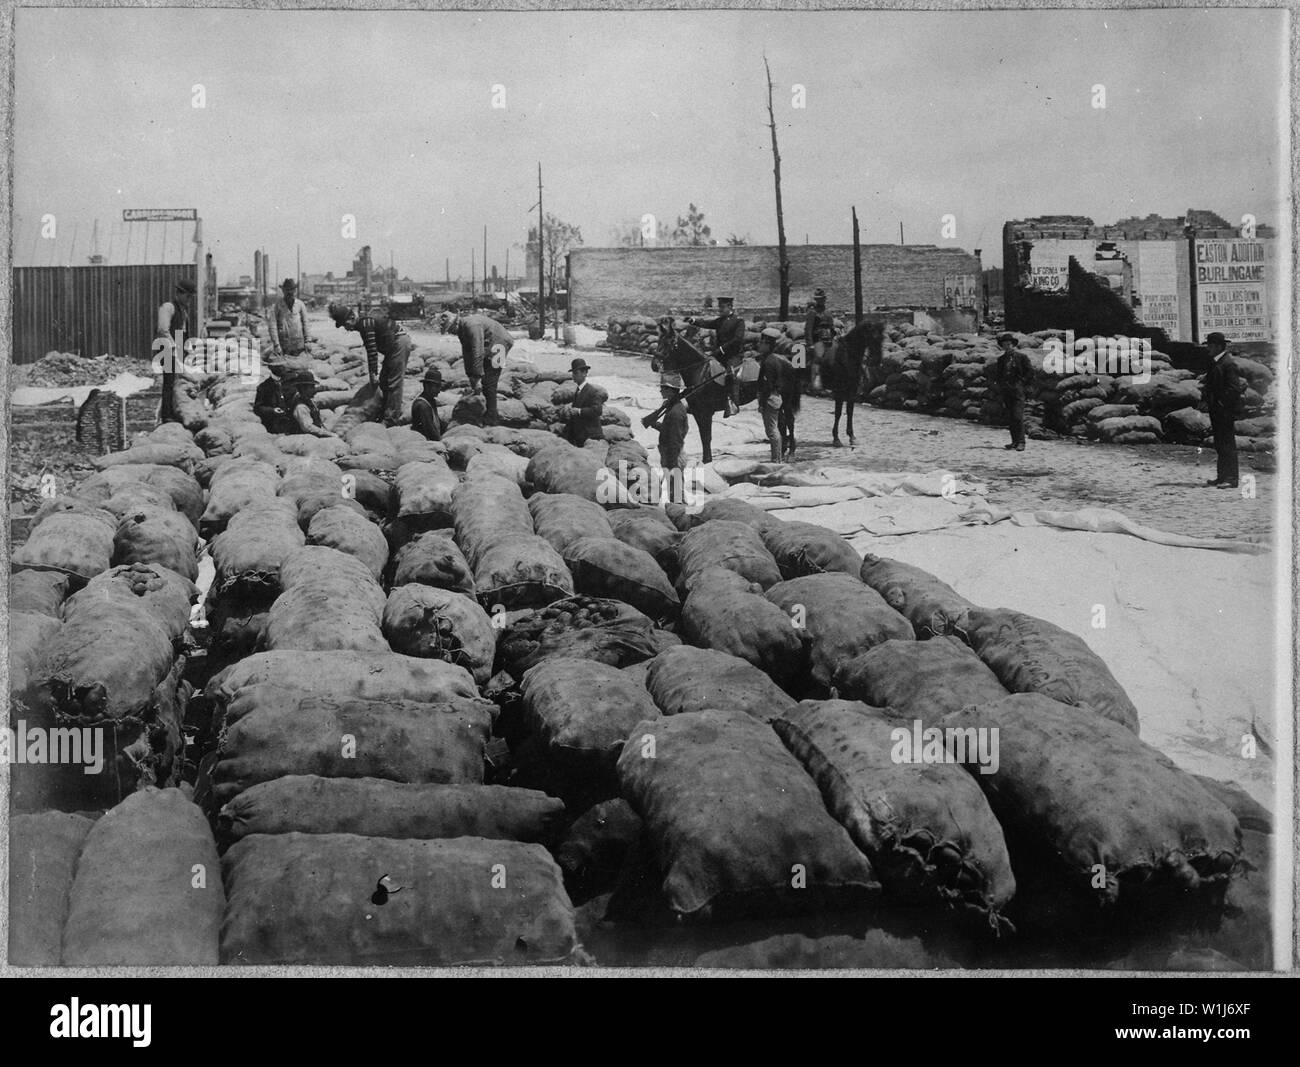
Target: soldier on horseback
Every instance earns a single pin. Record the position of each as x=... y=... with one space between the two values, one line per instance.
x=730 y=330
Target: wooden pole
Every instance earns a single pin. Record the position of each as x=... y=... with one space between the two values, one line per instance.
x=857 y=270
x=541 y=259
x=783 y=258
x=900 y=231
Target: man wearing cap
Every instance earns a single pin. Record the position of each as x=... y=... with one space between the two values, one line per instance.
x=778 y=399
x=424 y=412
x=484 y=348
x=672 y=425
x=730 y=340
x=382 y=335
x=1012 y=374
x=582 y=414
x=172 y=331
x=1223 y=389
x=286 y=323
x=818 y=329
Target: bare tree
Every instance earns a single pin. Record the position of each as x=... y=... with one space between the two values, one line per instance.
x=784 y=259
x=733 y=239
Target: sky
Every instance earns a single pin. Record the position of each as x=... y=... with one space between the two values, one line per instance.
x=311 y=116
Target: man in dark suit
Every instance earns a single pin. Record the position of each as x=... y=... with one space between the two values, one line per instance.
x=1012 y=374
x=1223 y=389
x=582 y=414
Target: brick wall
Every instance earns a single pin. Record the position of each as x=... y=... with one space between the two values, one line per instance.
x=648 y=281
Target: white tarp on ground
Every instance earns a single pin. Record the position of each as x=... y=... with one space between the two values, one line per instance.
x=125 y=384
x=1190 y=634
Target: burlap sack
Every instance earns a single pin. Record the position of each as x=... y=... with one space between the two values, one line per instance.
x=736 y=826
x=310 y=899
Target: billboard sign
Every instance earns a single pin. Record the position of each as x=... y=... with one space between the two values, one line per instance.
x=1232 y=280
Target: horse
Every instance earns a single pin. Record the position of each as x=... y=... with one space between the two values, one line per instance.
x=705 y=379
x=841 y=370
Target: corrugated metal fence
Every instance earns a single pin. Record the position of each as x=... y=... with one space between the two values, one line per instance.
x=91 y=310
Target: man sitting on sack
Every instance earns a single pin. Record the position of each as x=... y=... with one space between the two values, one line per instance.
x=285 y=402
x=424 y=412
x=582 y=414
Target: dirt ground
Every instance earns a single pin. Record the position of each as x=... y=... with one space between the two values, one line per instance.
x=1157 y=485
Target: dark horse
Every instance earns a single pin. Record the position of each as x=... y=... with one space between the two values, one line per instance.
x=704 y=379
x=841 y=369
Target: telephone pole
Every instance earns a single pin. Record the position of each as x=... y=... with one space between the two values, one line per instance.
x=541 y=259
x=857 y=270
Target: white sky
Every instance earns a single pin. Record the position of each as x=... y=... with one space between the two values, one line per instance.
x=387 y=116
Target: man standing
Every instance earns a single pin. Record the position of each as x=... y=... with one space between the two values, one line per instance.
x=172 y=331
x=778 y=391
x=484 y=347
x=1223 y=390
x=424 y=412
x=286 y=324
x=582 y=415
x=818 y=330
x=730 y=340
x=672 y=426
x=384 y=336
x=1012 y=374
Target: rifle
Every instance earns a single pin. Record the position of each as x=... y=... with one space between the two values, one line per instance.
x=682 y=396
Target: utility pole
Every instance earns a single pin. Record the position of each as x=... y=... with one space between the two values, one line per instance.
x=784 y=259
x=485 y=266
x=857 y=270
x=900 y=231
x=541 y=259
x=447 y=264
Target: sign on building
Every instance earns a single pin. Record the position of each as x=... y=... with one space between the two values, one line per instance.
x=1156 y=300
x=959 y=291
x=160 y=214
x=1232 y=280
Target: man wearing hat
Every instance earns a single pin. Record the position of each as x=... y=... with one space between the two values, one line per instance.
x=272 y=402
x=286 y=324
x=424 y=412
x=730 y=340
x=1223 y=389
x=484 y=348
x=672 y=425
x=382 y=335
x=582 y=414
x=300 y=394
x=1012 y=374
x=818 y=329
x=173 y=331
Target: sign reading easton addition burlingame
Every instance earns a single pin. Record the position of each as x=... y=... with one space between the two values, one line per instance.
x=160 y=214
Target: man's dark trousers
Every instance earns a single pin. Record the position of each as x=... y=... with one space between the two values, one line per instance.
x=1015 y=405
x=1225 y=447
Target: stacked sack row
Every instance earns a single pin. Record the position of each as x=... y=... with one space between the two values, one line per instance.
x=468 y=704
x=950 y=375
